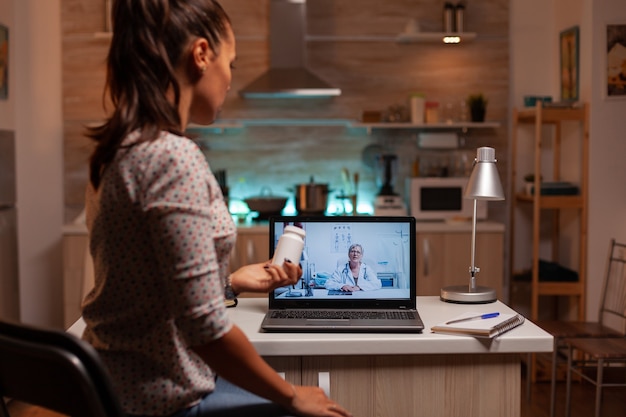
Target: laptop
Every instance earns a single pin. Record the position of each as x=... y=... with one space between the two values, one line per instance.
x=333 y=294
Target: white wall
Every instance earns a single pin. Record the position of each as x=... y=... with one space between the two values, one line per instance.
x=533 y=72
x=534 y=69
x=607 y=197
x=34 y=112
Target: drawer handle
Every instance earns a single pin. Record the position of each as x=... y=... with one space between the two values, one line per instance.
x=426 y=253
x=250 y=252
x=323 y=381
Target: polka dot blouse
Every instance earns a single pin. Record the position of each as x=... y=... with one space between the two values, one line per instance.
x=160 y=237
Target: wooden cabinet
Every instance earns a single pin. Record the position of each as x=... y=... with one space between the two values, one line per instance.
x=410 y=385
x=444 y=258
x=558 y=211
x=74 y=270
x=417 y=385
x=253 y=246
x=289 y=367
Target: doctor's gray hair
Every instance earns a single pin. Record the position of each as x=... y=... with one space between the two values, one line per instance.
x=356 y=245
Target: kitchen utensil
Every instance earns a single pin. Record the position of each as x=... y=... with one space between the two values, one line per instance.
x=266 y=204
x=220 y=176
x=354 y=199
x=345 y=179
x=387 y=201
x=386 y=172
x=370 y=153
x=311 y=197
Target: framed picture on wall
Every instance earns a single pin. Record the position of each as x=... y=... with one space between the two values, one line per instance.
x=616 y=61
x=4 y=62
x=568 y=66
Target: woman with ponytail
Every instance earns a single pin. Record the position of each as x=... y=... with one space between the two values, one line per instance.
x=161 y=234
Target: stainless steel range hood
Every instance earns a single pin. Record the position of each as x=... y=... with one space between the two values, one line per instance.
x=288 y=76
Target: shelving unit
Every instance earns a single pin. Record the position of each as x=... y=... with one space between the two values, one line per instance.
x=539 y=117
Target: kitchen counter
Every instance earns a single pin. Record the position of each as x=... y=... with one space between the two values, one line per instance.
x=420 y=226
x=78 y=228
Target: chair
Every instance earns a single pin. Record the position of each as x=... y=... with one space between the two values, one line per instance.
x=611 y=308
x=54 y=370
x=597 y=357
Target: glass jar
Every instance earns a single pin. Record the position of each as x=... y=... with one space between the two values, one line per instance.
x=431 y=112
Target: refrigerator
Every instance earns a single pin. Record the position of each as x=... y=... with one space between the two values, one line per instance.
x=9 y=277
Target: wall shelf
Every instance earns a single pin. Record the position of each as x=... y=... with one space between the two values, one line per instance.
x=421 y=37
x=436 y=37
x=418 y=37
x=103 y=35
x=224 y=125
x=462 y=126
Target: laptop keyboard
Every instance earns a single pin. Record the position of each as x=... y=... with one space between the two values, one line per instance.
x=342 y=315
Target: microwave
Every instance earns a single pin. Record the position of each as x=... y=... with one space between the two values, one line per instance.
x=441 y=198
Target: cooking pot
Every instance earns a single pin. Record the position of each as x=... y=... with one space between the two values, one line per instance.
x=311 y=197
x=266 y=204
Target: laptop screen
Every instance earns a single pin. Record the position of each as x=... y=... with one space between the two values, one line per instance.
x=350 y=262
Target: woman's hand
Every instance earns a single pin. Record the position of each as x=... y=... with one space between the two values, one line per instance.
x=234 y=358
x=264 y=277
x=312 y=402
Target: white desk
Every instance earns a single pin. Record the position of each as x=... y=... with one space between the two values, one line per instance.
x=402 y=375
x=523 y=339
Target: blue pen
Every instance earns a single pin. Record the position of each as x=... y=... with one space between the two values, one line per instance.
x=481 y=317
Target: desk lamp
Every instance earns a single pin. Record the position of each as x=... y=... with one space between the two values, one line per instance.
x=484 y=184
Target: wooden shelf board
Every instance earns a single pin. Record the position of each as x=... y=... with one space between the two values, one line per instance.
x=463 y=126
x=553 y=202
x=221 y=125
x=560 y=288
x=435 y=37
x=551 y=115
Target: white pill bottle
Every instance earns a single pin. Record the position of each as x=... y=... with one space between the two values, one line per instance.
x=290 y=245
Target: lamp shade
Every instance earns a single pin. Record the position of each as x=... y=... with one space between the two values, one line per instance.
x=484 y=182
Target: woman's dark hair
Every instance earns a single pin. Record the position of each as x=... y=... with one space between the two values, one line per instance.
x=150 y=37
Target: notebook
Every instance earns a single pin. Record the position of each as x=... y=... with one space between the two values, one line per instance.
x=328 y=297
x=464 y=324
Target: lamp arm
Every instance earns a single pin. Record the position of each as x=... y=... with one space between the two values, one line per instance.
x=473 y=268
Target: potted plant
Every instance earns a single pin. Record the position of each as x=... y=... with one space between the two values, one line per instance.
x=477 y=104
x=529 y=182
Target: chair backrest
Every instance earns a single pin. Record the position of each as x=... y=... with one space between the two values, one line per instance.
x=54 y=370
x=613 y=302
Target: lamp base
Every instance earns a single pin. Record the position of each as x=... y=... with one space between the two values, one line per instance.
x=460 y=294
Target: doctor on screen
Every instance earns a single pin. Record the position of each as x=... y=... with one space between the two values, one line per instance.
x=354 y=275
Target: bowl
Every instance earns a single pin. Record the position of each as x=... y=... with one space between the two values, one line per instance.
x=266 y=203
